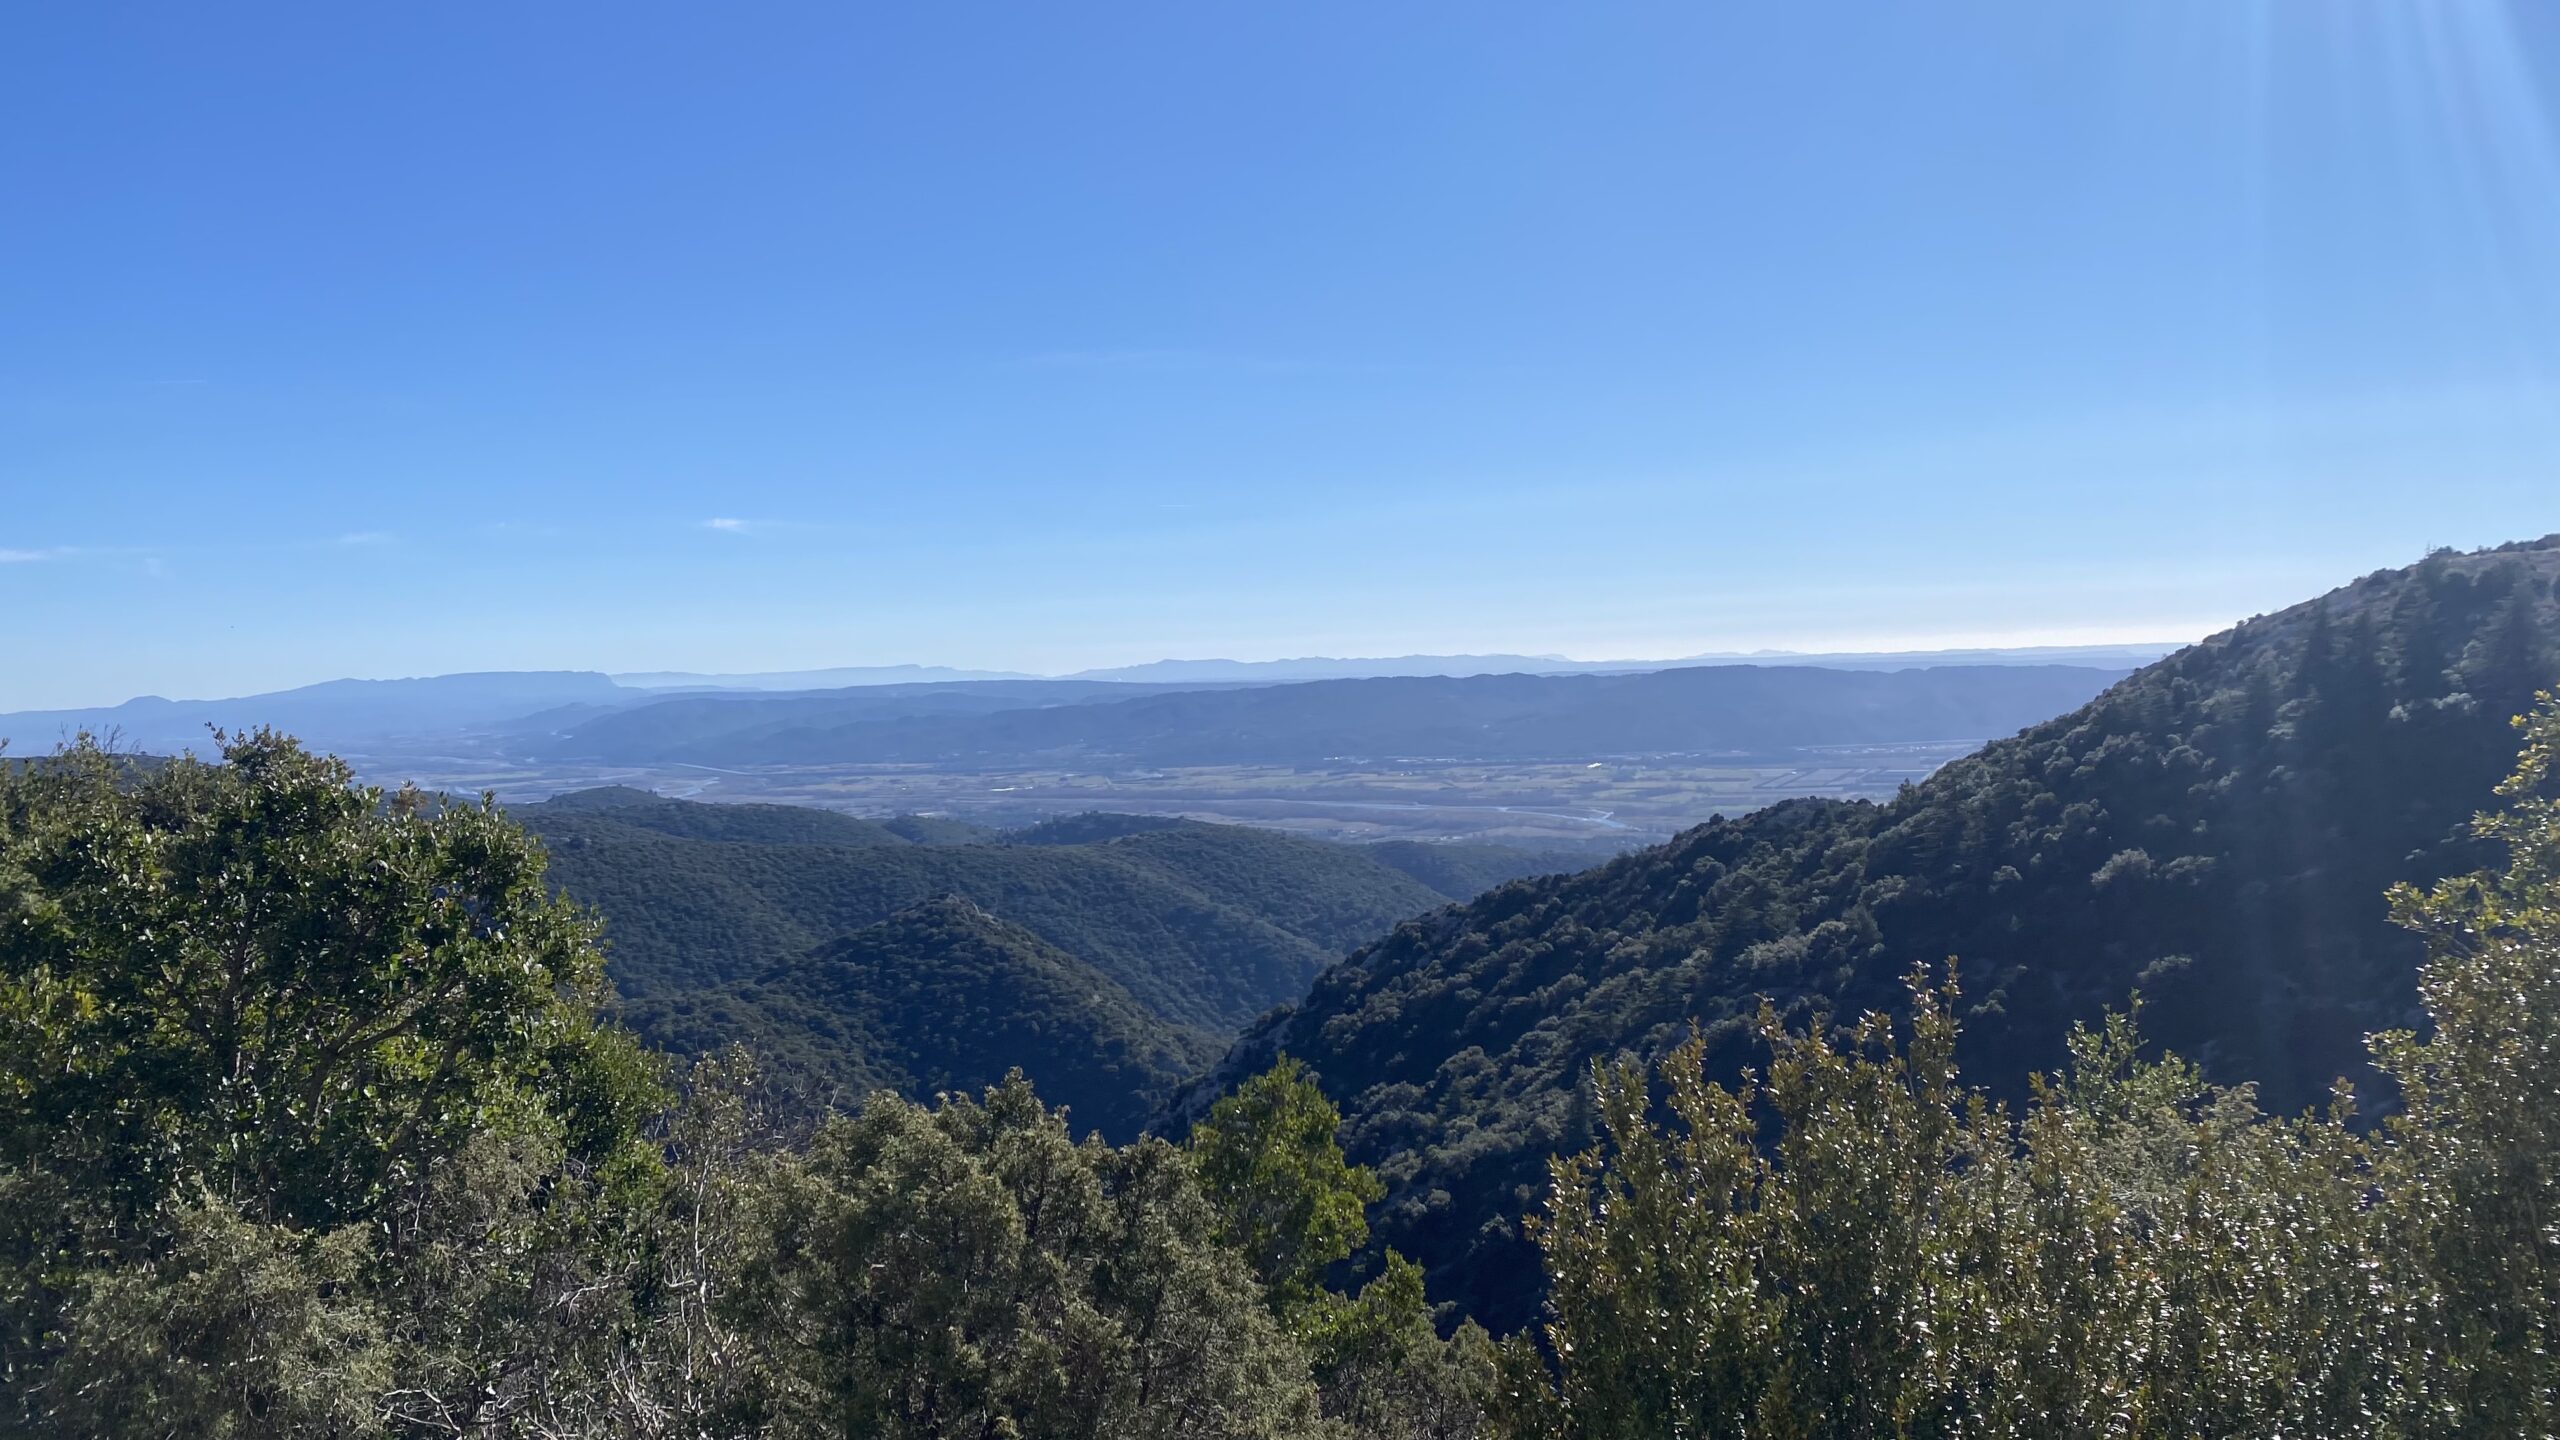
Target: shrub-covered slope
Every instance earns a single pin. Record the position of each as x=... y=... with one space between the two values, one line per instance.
x=941 y=996
x=2216 y=832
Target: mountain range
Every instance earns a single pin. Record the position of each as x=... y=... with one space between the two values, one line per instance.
x=837 y=678
x=333 y=712
x=1705 y=710
x=2215 y=833
x=349 y=711
x=1323 y=667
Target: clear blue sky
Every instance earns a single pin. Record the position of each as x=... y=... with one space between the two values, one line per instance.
x=393 y=339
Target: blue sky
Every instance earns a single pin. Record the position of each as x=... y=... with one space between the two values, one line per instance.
x=382 y=340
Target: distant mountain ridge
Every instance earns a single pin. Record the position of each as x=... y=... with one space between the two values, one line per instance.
x=331 y=712
x=1323 y=667
x=685 y=726
x=836 y=678
x=477 y=698
x=1704 y=710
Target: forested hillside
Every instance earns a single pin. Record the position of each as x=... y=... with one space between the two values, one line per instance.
x=619 y=812
x=1110 y=955
x=1206 y=925
x=2216 y=832
x=941 y=996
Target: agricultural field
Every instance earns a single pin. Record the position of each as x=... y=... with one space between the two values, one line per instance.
x=1605 y=804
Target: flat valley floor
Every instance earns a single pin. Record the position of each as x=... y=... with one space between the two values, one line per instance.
x=1604 y=804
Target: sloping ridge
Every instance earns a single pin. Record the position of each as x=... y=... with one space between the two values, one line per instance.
x=1208 y=926
x=2216 y=831
x=941 y=996
x=620 y=812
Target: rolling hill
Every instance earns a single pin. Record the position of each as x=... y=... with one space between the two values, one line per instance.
x=1207 y=926
x=2216 y=832
x=940 y=996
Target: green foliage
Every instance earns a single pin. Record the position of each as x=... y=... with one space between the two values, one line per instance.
x=258 y=974
x=304 y=1110
x=971 y=1271
x=941 y=996
x=623 y=813
x=447 y=1219
x=255 y=983
x=1464 y=871
x=1269 y=1161
x=1130 y=946
x=1385 y=1374
x=2478 y=1185
x=2216 y=832
x=1854 y=1244
x=1288 y=1203
x=234 y=1329
x=1207 y=926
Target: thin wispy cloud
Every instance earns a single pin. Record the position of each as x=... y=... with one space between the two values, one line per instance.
x=365 y=537
x=23 y=555
x=517 y=527
x=730 y=525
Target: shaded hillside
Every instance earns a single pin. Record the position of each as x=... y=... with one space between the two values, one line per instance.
x=941 y=996
x=938 y=830
x=1090 y=827
x=1459 y=870
x=1472 y=869
x=1723 y=709
x=2216 y=831
x=621 y=812
x=1331 y=894
x=1207 y=926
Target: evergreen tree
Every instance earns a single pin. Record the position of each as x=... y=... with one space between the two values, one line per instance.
x=253 y=994
x=1290 y=1204
x=970 y=1271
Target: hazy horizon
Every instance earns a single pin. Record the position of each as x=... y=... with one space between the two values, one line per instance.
x=628 y=677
